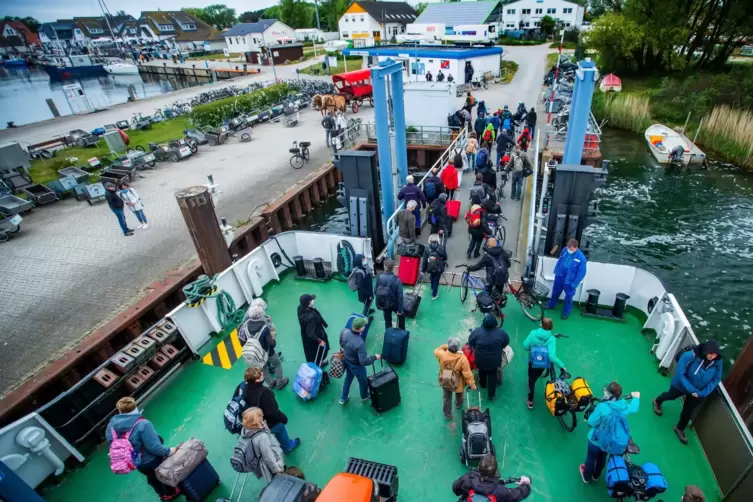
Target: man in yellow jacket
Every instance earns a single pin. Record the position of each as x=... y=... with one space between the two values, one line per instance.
x=454 y=374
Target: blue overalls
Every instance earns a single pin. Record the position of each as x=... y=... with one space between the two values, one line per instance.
x=568 y=274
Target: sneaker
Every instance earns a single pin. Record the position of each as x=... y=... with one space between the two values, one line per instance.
x=145 y=226
x=294 y=443
x=530 y=404
x=140 y=227
x=434 y=297
x=343 y=401
x=282 y=383
x=657 y=407
x=129 y=233
x=564 y=317
x=582 y=469
x=364 y=399
x=279 y=354
x=681 y=435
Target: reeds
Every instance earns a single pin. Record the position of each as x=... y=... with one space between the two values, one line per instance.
x=626 y=111
x=729 y=132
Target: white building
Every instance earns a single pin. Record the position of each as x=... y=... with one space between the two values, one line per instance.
x=316 y=35
x=248 y=37
x=526 y=14
x=367 y=22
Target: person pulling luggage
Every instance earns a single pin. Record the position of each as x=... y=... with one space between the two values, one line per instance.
x=389 y=295
x=313 y=330
x=478 y=226
x=486 y=482
x=545 y=344
x=355 y=360
x=439 y=219
x=454 y=374
x=434 y=262
x=488 y=342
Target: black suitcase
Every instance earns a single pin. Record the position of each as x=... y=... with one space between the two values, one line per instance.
x=412 y=300
x=283 y=488
x=395 y=348
x=384 y=388
x=200 y=483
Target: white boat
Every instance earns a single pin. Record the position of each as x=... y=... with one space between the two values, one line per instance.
x=662 y=139
x=120 y=67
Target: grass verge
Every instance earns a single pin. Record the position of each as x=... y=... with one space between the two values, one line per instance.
x=354 y=63
x=565 y=45
x=516 y=41
x=508 y=70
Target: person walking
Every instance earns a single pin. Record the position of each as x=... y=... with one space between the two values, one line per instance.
x=609 y=428
x=341 y=123
x=489 y=136
x=255 y=394
x=313 y=330
x=697 y=374
x=496 y=263
x=531 y=122
x=434 y=262
x=412 y=192
x=264 y=452
x=433 y=186
x=132 y=200
x=147 y=445
x=488 y=342
x=406 y=223
x=328 y=123
x=355 y=360
x=545 y=343
x=524 y=140
x=485 y=481
x=255 y=325
x=389 y=295
x=439 y=219
x=471 y=149
x=505 y=143
x=516 y=167
x=116 y=205
x=454 y=374
x=364 y=283
x=482 y=157
x=449 y=177
x=488 y=175
x=478 y=226
x=568 y=274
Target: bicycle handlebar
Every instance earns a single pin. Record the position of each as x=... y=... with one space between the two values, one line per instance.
x=560 y=335
x=460 y=266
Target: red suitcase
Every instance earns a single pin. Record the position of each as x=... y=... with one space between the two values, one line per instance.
x=453 y=209
x=408 y=269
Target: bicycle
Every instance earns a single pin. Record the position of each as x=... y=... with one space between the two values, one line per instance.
x=528 y=300
x=477 y=285
x=566 y=404
x=297 y=159
x=499 y=231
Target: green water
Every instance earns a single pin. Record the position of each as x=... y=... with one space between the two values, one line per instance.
x=691 y=228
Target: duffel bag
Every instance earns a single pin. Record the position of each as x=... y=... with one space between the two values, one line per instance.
x=177 y=467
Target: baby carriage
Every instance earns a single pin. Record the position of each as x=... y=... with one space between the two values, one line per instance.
x=477 y=433
x=291 y=116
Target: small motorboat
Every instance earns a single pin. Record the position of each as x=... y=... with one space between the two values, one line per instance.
x=662 y=140
x=611 y=83
x=15 y=63
x=120 y=67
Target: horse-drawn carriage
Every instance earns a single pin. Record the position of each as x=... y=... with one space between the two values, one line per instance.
x=355 y=87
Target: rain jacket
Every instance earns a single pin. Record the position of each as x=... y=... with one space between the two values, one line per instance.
x=365 y=284
x=411 y=191
x=438 y=185
x=571 y=267
x=449 y=177
x=606 y=408
x=257 y=395
x=482 y=158
x=144 y=437
x=694 y=374
x=491 y=128
x=313 y=330
x=458 y=362
x=489 y=486
x=265 y=445
x=479 y=125
x=487 y=343
x=504 y=142
x=541 y=336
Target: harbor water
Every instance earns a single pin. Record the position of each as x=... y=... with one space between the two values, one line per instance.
x=24 y=91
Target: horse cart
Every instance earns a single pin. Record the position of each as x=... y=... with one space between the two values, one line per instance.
x=355 y=87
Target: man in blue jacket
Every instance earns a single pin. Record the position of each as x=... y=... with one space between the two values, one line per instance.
x=698 y=372
x=612 y=407
x=355 y=359
x=389 y=295
x=568 y=274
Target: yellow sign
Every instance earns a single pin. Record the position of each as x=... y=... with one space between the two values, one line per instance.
x=225 y=353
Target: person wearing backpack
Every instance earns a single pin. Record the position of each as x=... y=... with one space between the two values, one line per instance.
x=542 y=345
x=531 y=121
x=697 y=374
x=364 y=285
x=389 y=295
x=433 y=186
x=505 y=143
x=257 y=450
x=434 y=262
x=328 y=123
x=568 y=274
x=355 y=359
x=489 y=176
x=438 y=215
x=313 y=330
x=516 y=165
x=255 y=394
x=488 y=342
x=482 y=157
x=454 y=374
x=524 y=140
x=490 y=135
x=496 y=263
x=477 y=227
x=609 y=430
x=135 y=445
x=450 y=178
x=471 y=148
x=255 y=327
x=480 y=190
x=486 y=482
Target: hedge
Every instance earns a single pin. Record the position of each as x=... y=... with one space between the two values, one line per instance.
x=214 y=114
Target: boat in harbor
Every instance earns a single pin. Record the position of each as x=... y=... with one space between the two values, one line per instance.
x=662 y=140
x=15 y=63
x=73 y=66
x=610 y=83
x=120 y=67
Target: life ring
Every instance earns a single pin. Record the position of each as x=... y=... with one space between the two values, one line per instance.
x=345 y=256
x=665 y=331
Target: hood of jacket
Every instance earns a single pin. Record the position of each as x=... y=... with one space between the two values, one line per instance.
x=540 y=336
x=617 y=405
x=709 y=347
x=495 y=253
x=123 y=422
x=490 y=322
x=358 y=261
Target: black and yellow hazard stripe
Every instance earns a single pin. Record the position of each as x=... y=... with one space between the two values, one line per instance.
x=225 y=353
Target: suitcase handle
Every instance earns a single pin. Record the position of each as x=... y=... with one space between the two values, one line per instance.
x=373 y=365
x=468 y=399
x=316 y=357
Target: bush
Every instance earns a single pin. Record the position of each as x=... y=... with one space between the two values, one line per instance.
x=214 y=114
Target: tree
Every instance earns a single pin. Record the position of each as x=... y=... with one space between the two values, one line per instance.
x=420 y=7
x=121 y=13
x=271 y=12
x=615 y=37
x=547 y=24
x=331 y=11
x=197 y=13
x=251 y=16
x=29 y=21
x=220 y=16
x=296 y=13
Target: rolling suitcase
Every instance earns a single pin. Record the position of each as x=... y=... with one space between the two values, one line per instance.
x=453 y=209
x=200 y=483
x=310 y=377
x=355 y=316
x=408 y=269
x=395 y=348
x=411 y=301
x=283 y=488
x=384 y=388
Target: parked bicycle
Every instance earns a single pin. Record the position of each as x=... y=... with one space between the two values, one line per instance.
x=498 y=229
x=528 y=298
x=485 y=300
x=300 y=154
x=479 y=83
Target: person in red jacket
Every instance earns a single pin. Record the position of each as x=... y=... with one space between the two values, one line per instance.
x=524 y=139
x=449 y=177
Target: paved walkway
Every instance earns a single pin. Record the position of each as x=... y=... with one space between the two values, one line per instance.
x=70 y=269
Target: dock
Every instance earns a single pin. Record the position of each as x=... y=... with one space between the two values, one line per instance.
x=209 y=74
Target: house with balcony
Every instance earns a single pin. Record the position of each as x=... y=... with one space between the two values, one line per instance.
x=15 y=36
x=249 y=37
x=178 y=29
x=58 y=34
x=527 y=14
x=368 y=22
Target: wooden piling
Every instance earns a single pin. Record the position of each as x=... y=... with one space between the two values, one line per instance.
x=197 y=208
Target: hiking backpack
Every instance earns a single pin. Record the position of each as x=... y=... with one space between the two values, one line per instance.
x=524 y=142
x=254 y=354
x=458 y=160
x=477 y=497
x=613 y=433
x=383 y=296
x=122 y=454
x=539 y=357
x=448 y=378
x=430 y=190
x=488 y=135
x=241 y=461
x=499 y=273
x=433 y=262
x=474 y=218
x=233 y=416
x=353 y=279
x=507 y=124
x=478 y=192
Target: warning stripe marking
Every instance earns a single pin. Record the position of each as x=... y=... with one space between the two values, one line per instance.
x=226 y=353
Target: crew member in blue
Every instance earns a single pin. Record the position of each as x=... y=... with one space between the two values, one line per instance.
x=568 y=274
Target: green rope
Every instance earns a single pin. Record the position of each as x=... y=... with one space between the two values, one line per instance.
x=204 y=288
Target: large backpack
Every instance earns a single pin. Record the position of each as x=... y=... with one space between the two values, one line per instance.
x=254 y=354
x=474 y=218
x=539 y=357
x=488 y=135
x=245 y=458
x=507 y=124
x=434 y=262
x=499 y=273
x=478 y=192
x=477 y=497
x=613 y=433
x=430 y=189
x=458 y=160
x=122 y=454
x=448 y=377
x=383 y=296
x=524 y=142
x=353 y=279
x=233 y=416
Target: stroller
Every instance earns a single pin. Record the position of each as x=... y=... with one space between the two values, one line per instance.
x=477 y=433
x=291 y=116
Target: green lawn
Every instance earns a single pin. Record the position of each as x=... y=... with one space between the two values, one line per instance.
x=43 y=171
x=215 y=57
x=566 y=45
x=354 y=63
x=517 y=41
x=509 y=68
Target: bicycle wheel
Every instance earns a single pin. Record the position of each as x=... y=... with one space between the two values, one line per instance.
x=296 y=162
x=568 y=420
x=306 y=154
x=464 y=287
x=500 y=234
x=497 y=312
x=531 y=306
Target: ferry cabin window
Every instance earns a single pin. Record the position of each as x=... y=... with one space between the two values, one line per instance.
x=539 y=11
x=567 y=11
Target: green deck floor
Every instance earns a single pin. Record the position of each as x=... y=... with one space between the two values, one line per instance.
x=414 y=436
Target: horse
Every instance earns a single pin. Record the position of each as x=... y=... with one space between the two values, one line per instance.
x=339 y=103
x=316 y=102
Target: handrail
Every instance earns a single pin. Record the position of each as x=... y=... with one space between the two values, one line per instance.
x=390 y=225
x=532 y=208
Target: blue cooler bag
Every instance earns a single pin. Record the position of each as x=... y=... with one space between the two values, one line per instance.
x=307 y=381
x=355 y=316
x=656 y=483
x=618 y=477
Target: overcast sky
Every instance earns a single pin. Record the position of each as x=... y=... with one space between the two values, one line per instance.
x=50 y=10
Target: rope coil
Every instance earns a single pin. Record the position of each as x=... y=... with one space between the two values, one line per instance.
x=204 y=288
